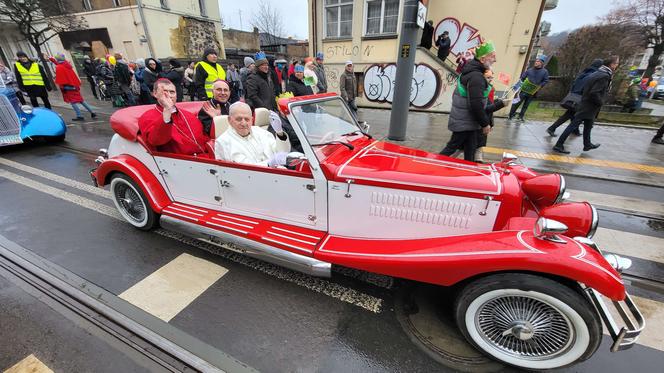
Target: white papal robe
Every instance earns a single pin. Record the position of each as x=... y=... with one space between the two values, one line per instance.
x=257 y=148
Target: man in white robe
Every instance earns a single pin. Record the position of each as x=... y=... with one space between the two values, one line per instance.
x=245 y=143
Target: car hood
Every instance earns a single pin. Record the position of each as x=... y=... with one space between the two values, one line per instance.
x=392 y=165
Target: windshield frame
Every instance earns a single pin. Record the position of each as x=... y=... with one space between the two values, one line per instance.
x=292 y=105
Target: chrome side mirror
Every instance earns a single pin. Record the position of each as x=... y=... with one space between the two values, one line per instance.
x=294 y=159
x=548 y=229
x=364 y=126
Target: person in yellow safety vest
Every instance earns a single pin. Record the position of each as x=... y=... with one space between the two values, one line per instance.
x=206 y=72
x=32 y=79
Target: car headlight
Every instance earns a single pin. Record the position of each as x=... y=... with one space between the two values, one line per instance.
x=580 y=217
x=27 y=109
x=545 y=190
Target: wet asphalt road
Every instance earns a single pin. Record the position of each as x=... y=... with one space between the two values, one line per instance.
x=273 y=320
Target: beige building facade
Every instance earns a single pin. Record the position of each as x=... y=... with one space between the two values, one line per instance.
x=135 y=28
x=367 y=33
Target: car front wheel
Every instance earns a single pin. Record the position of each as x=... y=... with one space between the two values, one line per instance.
x=528 y=321
x=131 y=203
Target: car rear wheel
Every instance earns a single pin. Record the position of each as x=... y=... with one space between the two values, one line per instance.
x=528 y=321
x=131 y=203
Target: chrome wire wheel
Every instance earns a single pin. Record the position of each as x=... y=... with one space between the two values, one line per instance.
x=524 y=327
x=527 y=320
x=129 y=202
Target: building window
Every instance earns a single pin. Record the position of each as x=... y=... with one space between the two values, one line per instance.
x=382 y=16
x=117 y=3
x=86 y=5
x=201 y=4
x=164 y=4
x=338 y=18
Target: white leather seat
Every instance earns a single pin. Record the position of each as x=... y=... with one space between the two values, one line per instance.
x=262 y=117
x=262 y=120
x=220 y=125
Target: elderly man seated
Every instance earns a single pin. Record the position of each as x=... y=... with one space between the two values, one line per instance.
x=244 y=143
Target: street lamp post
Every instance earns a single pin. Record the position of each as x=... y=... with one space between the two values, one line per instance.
x=404 y=74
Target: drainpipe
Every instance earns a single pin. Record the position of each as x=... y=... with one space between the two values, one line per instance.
x=145 y=27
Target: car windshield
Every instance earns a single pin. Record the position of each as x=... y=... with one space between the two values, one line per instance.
x=661 y=81
x=324 y=121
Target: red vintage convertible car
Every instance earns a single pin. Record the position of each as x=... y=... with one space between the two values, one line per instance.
x=527 y=276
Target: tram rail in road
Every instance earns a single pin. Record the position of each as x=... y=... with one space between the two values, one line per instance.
x=117 y=318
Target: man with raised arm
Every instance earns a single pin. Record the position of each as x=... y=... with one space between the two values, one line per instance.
x=168 y=129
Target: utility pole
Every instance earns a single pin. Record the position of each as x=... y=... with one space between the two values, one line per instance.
x=404 y=74
x=239 y=11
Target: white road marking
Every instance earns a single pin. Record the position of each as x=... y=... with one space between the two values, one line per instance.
x=57 y=178
x=29 y=365
x=171 y=288
x=631 y=244
x=318 y=285
x=645 y=207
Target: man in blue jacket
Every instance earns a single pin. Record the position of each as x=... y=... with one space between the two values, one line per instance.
x=532 y=80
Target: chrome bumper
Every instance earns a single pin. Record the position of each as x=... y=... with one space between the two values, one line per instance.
x=623 y=337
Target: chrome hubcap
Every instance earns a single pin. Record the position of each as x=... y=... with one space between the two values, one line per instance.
x=130 y=202
x=524 y=327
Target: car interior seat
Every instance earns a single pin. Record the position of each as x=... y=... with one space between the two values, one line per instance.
x=262 y=117
x=220 y=125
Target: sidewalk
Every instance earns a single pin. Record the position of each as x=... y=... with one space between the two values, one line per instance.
x=626 y=153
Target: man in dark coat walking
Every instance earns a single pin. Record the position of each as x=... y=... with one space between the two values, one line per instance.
x=569 y=102
x=592 y=99
x=260 y=86
x=443 y=43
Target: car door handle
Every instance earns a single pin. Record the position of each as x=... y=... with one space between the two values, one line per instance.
x=225 y=184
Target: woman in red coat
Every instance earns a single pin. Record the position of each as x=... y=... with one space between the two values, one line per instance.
x=70 y=86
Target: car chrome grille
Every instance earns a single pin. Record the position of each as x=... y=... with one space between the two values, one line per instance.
x=10 y=127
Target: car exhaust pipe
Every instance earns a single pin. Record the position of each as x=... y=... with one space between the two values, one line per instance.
x=261 y=251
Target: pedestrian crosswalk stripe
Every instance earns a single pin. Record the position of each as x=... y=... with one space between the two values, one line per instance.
x=641 y=206
x=29 y=365
x=578 y=160
x=630 y=244
x=319 y=285
x=171 y=288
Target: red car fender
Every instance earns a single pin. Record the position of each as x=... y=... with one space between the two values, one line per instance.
x=449 y=260
x=137 y=171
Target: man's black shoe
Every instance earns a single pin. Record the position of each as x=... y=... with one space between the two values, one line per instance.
x=591 y=147
x=657 y=140
x=560 y=149
x=93 y=115
x=78 y=119
x=551 y=132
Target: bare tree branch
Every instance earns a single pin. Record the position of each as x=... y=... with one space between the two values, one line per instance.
x=40 y=20
x=268 y=20
x=648 y=15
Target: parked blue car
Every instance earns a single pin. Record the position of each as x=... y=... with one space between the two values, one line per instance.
x=24 y=123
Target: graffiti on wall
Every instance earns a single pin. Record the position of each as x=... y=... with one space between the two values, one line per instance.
x=343 y=51
x=463 y=38
x=379 y=84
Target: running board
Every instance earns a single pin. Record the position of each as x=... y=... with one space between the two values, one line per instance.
x=296 y=262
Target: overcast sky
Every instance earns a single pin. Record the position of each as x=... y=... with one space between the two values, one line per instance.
x=569 y=14
x=293 y=12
